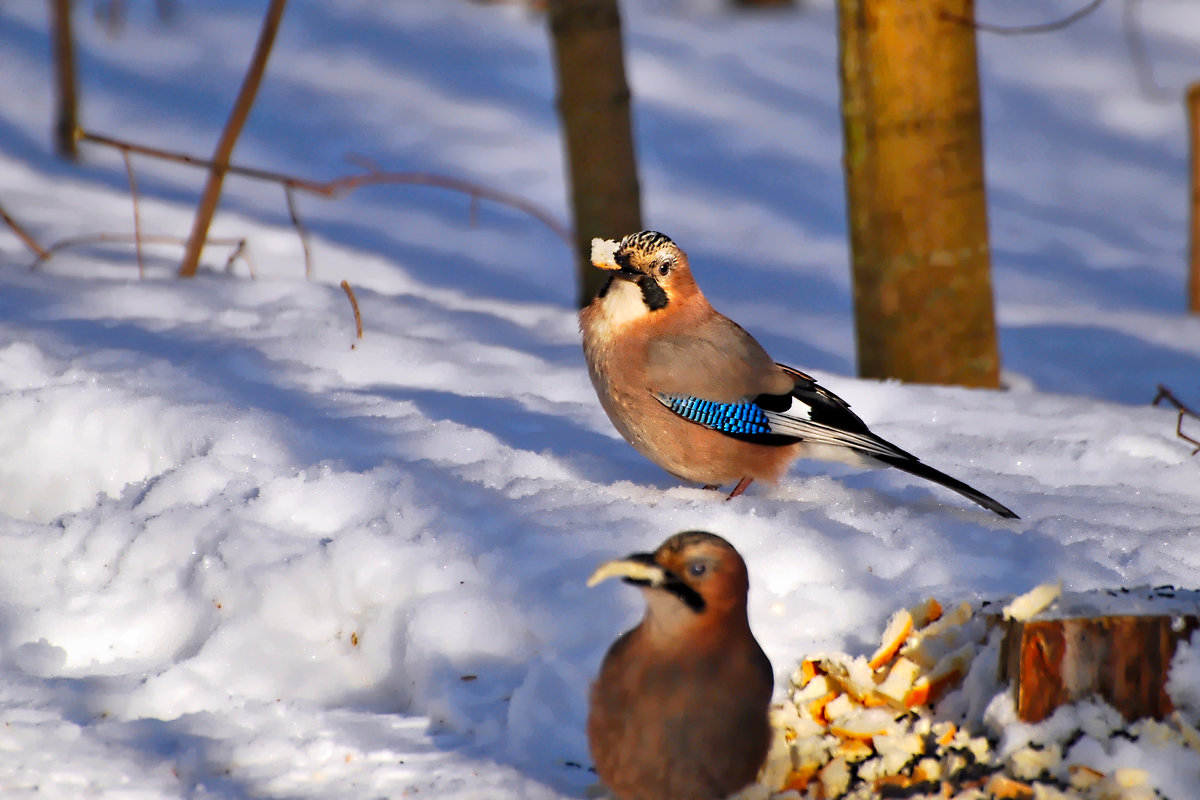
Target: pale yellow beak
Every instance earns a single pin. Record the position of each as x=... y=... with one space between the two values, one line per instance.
x=626 y=568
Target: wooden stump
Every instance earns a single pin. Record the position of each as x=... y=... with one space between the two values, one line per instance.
x=1060 y=657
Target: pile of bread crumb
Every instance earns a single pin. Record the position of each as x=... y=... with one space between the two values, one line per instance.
x=861 y=727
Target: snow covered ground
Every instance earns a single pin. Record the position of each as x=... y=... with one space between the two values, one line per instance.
x=240 y=558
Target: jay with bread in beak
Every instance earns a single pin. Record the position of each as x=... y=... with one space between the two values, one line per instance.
x=696 y=394
x=679 y=709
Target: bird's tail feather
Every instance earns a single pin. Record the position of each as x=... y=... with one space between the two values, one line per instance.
x=922 y=470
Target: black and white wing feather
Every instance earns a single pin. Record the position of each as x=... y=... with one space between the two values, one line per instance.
x=813 y=414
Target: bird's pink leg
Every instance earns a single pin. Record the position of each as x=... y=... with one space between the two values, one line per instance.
x=741 y=487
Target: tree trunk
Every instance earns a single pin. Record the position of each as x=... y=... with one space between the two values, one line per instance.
x=1124 y=659
x=1193 y=104
x=594 y=105
x=915 y=192
x=67 y=122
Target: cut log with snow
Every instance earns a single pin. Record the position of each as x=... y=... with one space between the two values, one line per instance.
x=1116 y=645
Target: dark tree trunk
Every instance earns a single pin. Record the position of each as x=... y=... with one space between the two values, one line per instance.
x=593 y=102
x=67 y=122
x=1193 y=104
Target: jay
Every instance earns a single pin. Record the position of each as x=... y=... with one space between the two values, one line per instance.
x=679 y=709
x=696 y=394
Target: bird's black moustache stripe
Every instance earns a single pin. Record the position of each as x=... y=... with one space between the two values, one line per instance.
x=652 y=294
x=690 y=597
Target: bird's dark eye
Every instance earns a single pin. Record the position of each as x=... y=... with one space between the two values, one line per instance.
x=664 y=268
x=697 y=569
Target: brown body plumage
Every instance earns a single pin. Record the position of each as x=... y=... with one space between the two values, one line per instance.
x=651 y=335
x=679 y=709
x=676 y=352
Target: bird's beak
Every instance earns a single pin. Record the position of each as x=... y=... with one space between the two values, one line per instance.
x=604 y=256
x=639 y=568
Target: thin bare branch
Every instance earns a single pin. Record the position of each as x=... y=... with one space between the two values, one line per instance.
x=24 y=235
x=358 y=330
x=137 y=217
x=229 y=136
x=44 y=254
x=164 y=155
x=1134 y=40
x=1022 y=30
x=300 y=230
x=1165 y=394
x=348 y=183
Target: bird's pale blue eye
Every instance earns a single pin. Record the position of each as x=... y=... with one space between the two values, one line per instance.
x=697 y=570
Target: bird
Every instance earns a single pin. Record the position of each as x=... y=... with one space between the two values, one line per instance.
x=695 y=393
x=679 y=709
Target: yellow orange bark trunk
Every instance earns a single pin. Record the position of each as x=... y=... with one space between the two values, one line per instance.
x=915 y=192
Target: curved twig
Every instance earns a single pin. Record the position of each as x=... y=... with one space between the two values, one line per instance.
x=1021 y=30
x=354 y=305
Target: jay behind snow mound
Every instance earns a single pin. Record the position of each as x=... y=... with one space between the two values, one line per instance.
x=679 y=709
x=697 y=395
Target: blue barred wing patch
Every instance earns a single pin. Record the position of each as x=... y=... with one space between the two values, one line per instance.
x=744 y=417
